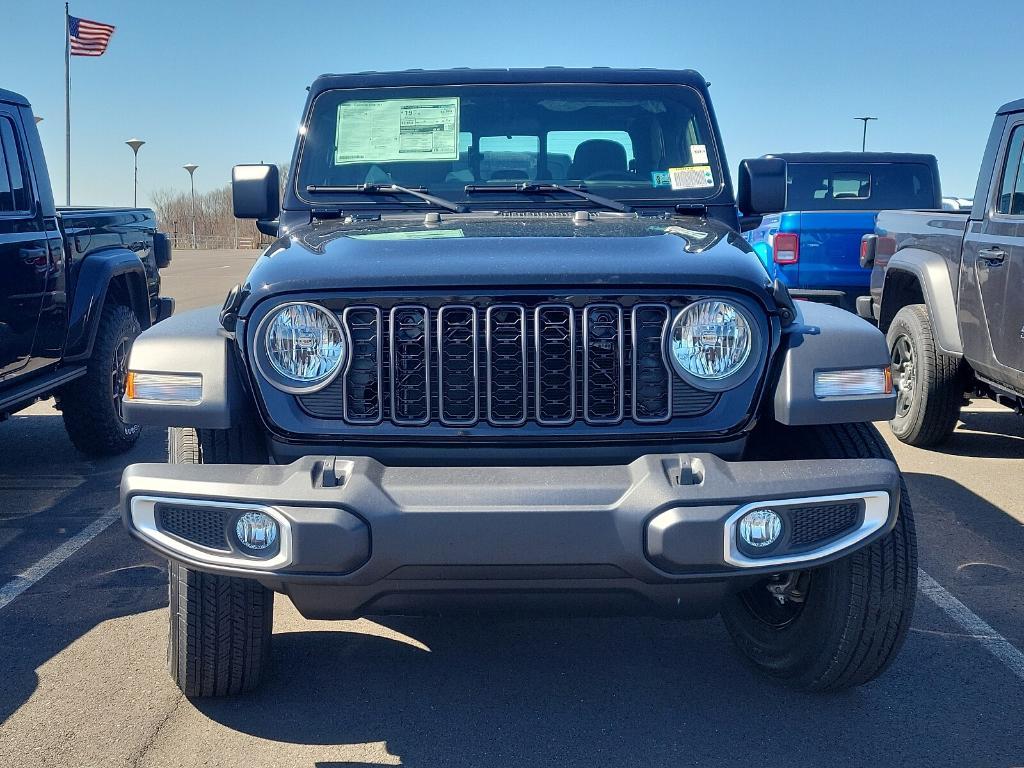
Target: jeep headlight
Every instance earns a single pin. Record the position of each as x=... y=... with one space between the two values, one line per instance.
x=300 y=347
x=711 y=344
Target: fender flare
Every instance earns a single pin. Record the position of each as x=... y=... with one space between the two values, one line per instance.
x=190 y=343
x=92 y=283
x=932 y=274
x=826 y=338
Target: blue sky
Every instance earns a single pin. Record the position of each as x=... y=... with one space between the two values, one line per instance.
x=220 y=82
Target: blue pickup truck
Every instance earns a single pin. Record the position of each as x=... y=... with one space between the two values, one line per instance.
x=833 y=197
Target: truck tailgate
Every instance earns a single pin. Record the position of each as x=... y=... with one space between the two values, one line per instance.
x=830 y=248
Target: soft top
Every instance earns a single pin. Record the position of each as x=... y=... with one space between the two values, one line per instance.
x=854 y=157
x=11 y=97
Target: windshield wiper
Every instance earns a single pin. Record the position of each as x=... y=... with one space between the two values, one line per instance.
x=547 y=189
x=386 y=189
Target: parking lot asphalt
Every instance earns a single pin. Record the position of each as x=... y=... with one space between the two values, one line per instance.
x=83 y=631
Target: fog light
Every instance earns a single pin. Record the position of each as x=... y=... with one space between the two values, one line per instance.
x=256 y=531
x=760 y=528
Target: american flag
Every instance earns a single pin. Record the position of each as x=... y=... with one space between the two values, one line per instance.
x=88 y=38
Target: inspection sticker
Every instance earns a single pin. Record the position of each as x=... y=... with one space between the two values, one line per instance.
x=397 y=130
x=698 y=154
x=660 y=179
x=691 y=177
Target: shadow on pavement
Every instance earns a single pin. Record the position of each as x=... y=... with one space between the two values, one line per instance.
x=586 y=692
x=987 y=434
x=48 y=493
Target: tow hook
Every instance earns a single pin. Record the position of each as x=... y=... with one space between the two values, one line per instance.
x=789 y=587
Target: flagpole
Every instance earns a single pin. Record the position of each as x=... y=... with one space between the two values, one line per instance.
x=67 y=102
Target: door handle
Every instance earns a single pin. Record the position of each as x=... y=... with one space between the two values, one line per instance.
x=992 y=256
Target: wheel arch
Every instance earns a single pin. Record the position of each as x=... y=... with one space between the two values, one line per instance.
x=116 y=274
x=917 y=276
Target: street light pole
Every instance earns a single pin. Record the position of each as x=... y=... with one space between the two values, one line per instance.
x=135 y=144
x=191 y=168
x=864 y=137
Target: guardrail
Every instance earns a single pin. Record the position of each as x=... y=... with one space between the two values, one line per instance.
x=183 y=240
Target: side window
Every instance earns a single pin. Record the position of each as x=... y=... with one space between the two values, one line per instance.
x=1011 y=188
x=13 y=195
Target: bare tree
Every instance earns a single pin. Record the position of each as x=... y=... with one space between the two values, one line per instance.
x=216 y=225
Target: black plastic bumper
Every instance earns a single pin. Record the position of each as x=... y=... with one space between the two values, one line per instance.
x=361 y=538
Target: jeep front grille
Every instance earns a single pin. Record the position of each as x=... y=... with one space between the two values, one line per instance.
x=506 y=364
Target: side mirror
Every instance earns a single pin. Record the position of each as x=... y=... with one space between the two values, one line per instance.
x=762 y=186
x=255 y=192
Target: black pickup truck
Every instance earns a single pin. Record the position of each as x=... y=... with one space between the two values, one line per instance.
x=948 y=289
x=77 y=285
x=510 y=352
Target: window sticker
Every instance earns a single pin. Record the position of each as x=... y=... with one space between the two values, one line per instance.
x=698 y=154
x=397 y=130
x=691 y=177
x=660 y=179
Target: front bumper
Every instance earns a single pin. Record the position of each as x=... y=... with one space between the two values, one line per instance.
x=654 y=536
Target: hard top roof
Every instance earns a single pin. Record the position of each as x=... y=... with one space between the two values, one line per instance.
x=13 y=98
x=468 y=76
x=854 y=157
x=1011 y=106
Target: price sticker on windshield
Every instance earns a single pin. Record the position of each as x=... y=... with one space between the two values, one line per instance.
x=397 y=130
x=691 y=177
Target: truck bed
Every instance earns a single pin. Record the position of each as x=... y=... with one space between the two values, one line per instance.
x=941 y=232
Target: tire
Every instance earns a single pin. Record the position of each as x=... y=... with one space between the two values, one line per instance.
x=930 y=383
x=220 y=627
x=855 y=612
x=91 y=405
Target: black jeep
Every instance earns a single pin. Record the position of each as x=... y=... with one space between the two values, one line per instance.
x=509 y=353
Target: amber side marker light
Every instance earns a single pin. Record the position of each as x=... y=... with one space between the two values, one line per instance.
x=853 y=383
x=181 y=388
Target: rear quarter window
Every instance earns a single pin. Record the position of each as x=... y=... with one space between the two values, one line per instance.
x=866 y=187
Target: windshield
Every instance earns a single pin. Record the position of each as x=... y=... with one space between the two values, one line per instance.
x=860 y=187
x=636 y=142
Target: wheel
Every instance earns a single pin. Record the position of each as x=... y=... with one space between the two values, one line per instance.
x=220 y=627
x=92 y=404
x=929 y=383
x=841 y=624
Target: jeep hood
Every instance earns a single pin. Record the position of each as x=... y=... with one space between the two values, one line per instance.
x=494 y=252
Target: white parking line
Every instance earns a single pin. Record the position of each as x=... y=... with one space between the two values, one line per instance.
x=974 y=625
x=37 y=571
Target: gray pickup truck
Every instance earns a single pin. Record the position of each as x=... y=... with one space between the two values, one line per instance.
x=77 y=285
x=511 y=353
x=948 y=290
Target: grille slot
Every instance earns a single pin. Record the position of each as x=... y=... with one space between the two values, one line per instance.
x=555 y=340
x=603 y=384
x=457 y=366
x=410 y=365
x=652 y=382
x=506 y=364
x=202 y=526
x=363 y=402
x=507 y=381
x=814 y=525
